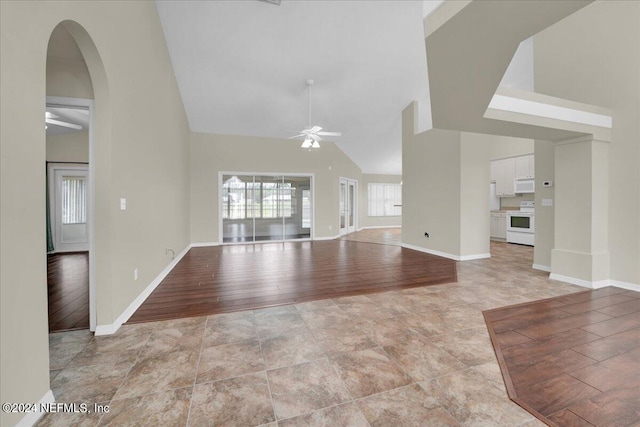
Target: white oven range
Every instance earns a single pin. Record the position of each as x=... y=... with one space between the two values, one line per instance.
x=521 y=225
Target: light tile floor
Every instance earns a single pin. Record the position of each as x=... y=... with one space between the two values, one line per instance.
x=416 y=357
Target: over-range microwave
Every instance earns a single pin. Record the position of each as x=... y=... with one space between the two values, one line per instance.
x=524 y=185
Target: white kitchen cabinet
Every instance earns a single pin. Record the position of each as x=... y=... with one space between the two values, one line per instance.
x=525 y=166
x=506 y=172
x=494 y=171
x=498 y=225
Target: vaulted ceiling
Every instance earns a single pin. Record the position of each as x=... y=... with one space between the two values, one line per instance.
x=241 y=67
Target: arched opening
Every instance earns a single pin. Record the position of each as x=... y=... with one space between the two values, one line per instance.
x=77 y=127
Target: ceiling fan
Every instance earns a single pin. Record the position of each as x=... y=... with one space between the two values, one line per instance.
x=50 y=118
x=312 y=134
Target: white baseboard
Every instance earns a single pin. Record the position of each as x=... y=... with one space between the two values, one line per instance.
x=373 y=227
x=596 y=284
x=328 y=237
x=625 y=285
x=204 y=244
x=31 y=418
x=128 y=312
x=446 y=255
x=541 y=267
x=474 y=256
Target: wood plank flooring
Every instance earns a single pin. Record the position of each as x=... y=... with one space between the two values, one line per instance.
x=572 y=360
x=221 y=279
x=68 y=288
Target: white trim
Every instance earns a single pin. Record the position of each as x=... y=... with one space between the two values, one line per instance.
x=474 y=256
x=597 y=284
x=373 y=227
x=87 y=103
x=446 y=255
x=204 y=244
x=136 y=303
x=539 y=109
x=579 y=139
x=579 y=282
x=541 y=267
x=31 y=418
x=625 y=285
x=327 y=237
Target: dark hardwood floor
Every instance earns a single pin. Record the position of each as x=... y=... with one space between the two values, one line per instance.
x=230 y=278
x=68 y=286
x=572 y=360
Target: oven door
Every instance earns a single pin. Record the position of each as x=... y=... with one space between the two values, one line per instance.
x=524 y=222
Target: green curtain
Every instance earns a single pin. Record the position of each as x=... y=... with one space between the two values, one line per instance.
x=50 y=247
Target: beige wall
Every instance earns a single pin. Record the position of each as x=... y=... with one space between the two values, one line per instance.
x=211 y=154
x=431 y=187
x=141 y=153
x=446 y=183
x=376 y=221
x=68 y=147
x=544 y=169
x=593 y=56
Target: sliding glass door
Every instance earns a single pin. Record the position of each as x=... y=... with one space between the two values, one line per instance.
x=265 y=208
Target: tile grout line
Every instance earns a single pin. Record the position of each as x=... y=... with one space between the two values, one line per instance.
x=195 y=377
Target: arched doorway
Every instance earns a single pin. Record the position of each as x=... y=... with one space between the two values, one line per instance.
x=76 y=84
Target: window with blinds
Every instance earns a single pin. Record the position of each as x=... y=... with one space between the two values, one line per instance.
x=385 y=199
x=74 y=200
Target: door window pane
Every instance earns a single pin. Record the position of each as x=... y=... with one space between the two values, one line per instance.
x=74 y=200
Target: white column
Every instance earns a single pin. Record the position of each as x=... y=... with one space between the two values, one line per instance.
x=581 y=247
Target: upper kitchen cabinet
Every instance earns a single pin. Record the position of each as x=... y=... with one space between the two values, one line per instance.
x=525 y=166
x=505 y=172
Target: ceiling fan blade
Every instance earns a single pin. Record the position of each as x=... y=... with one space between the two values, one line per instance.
x=315 y=129
x=49 y=115
x=330 y=133
x=296 y=136
x=315 y=137
x=63 y=124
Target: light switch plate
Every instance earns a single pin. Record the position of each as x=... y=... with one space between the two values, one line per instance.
x=123 y=204
x=547 y=202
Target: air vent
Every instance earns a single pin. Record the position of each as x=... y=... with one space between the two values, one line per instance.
x=276 y=2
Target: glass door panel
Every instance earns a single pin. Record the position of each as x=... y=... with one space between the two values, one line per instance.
x=352 y=196
x=297 y=200
x=237 y=209
x=343 y=207
x=269 y=208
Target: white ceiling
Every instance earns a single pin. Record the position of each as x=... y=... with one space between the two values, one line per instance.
x=241 y=67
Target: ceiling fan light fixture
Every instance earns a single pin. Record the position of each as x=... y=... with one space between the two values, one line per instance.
x=315 y=144
x=307 y=143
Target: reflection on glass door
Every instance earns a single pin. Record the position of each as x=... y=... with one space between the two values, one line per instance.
x=265 y=208
x=348 y=204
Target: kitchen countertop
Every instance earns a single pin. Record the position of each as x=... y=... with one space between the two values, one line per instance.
x=505 y=210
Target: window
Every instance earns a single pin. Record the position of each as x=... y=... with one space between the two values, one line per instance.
x=385 y=199
x=74 y=200
x=266 y=199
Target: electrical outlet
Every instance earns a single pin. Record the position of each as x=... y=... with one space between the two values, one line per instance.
x=123 y=204
x=135 y=274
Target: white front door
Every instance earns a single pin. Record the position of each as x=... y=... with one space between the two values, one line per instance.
x=348 y=204
x=69 y=191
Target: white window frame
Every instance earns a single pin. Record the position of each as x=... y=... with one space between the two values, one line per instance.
x=387 y=203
